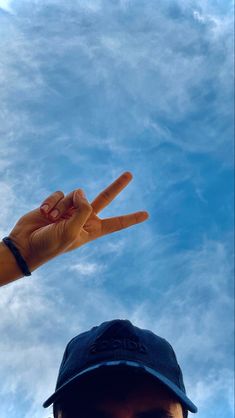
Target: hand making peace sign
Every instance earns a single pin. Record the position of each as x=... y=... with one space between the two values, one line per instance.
x=39 y=236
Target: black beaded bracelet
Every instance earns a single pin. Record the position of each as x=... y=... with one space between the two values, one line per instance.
x=19 y=259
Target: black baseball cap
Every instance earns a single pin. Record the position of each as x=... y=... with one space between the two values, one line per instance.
x=119 y=343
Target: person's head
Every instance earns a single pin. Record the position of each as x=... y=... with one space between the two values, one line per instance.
x=117 y=370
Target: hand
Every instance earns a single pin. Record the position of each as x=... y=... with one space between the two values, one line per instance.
x=40 y=237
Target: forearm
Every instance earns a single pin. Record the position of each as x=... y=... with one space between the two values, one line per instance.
x=9 y=269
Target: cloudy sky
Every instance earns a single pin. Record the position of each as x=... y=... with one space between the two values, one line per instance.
x=88 y=90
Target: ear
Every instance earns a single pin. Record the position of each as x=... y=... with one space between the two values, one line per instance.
x=57 y=413
x=60 y=414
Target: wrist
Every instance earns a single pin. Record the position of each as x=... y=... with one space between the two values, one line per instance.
x=9 y=269
x=18 y=256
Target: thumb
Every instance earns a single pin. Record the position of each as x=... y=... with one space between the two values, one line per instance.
x=80 y=215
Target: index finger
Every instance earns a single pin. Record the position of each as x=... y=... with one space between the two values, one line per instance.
x=107 y=195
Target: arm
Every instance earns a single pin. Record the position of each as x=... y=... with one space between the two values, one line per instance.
x=40 y=237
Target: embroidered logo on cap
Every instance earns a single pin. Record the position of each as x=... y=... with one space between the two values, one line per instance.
x=115 y=344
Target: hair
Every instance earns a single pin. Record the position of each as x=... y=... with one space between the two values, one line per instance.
x=103 y=383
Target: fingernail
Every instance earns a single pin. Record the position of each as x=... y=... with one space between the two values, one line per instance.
x=54 y=213
x=45 y=208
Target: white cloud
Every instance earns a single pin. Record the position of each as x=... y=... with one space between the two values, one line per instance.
x=87 y=269
x=197 y=15
x=6 y=5
x=209 y=389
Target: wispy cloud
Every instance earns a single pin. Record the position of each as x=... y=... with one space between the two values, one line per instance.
x=197 y=314
x=85 y=269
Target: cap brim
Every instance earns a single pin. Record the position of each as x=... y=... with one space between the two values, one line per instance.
x=168 y=383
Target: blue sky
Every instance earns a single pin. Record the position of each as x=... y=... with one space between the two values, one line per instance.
x=90 y=90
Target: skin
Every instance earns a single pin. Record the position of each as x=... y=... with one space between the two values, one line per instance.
x=40 y=237
x=140 y=402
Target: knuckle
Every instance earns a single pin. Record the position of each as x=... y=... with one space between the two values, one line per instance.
x=58 y=193
x=87 y=207
x=119 y=182
x=105 y=195
x=51 y=198
x=61 y=207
